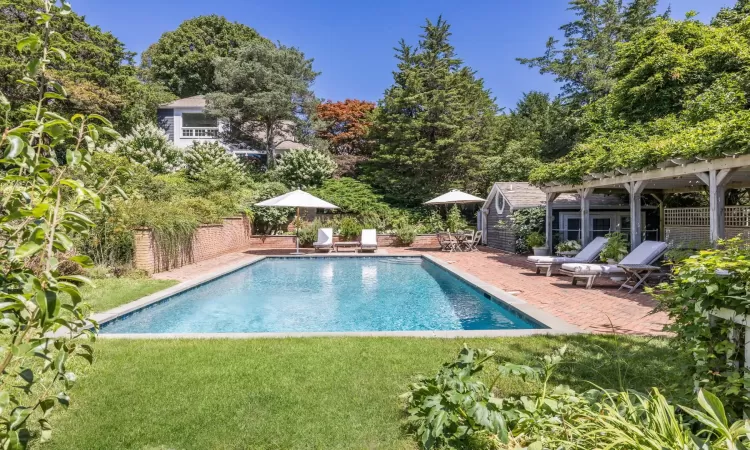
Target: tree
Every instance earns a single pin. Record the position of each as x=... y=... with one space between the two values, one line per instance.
x=347 y=126
x=264 y=90
x=584 y=65
x=44 y=321
x=304 y=169
x=99 y=74
x=211 y=165
x=433 y=125
x=731 y=16
x=183 y=59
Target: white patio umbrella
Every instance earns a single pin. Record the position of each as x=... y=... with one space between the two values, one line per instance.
x=297 y=199
x=454 y=196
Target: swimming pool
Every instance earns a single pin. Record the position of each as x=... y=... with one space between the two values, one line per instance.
x=327 y=294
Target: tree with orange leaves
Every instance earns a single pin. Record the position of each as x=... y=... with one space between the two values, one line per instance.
x=347 y=125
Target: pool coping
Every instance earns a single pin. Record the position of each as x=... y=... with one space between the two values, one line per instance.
x=554 y=324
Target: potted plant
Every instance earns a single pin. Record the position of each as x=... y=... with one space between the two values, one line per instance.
x=568 y=248
x=615 y=249
x=536 y=241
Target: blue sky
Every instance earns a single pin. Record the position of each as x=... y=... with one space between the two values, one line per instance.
x=352 y=41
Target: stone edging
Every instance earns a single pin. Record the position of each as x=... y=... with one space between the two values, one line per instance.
x=554 y=324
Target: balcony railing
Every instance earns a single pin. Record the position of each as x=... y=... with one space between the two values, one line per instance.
x=200 y=132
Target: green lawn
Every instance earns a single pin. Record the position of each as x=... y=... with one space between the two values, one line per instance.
x=108 y=293
x=323 y=393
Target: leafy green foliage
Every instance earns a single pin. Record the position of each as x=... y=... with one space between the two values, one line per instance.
x=681 y=91
x=351 y=196
x=183 y=59
x=349 y=229
x=264 y=90
x=450 y=408
x=98 y=72
x=712 y=279
x=303 y=169
x=455 y=220
x=209 y=163
x=43 y=323
x=406 y=234
x=568 y=246
x=524 y=222
x=269 y=220
x=616 y=247
x=433 y=125
x=148 y=145
x=732 y=16
x=535 y=239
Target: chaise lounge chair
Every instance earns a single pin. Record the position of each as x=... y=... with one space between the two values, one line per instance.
x=368 y=241
x=646 y=253
x=588 y=254
x=325 y=240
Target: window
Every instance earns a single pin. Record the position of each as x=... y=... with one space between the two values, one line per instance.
x=199 y=125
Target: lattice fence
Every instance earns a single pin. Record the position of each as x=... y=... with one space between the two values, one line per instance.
x=690 y=226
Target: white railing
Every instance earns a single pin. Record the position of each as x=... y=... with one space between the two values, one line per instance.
x=200 y=132
x=734 y=336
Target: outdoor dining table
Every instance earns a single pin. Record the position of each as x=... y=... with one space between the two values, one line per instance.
x=462 y=239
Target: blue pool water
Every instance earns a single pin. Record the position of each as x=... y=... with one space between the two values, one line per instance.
x=326 y=294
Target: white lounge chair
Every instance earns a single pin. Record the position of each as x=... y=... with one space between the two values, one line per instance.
x=588 y=254
x=325 y=240
x=646 y=253
x=368 y=241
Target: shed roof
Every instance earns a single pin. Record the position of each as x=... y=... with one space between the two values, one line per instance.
x=196 y=101
x=521 y=195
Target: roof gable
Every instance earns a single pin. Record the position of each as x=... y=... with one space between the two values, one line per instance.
x=520 y=195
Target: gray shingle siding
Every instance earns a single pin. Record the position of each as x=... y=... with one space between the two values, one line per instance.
x=500 y=236
x=165 y=120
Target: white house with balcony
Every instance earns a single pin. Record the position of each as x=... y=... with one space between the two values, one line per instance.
x=185 y=121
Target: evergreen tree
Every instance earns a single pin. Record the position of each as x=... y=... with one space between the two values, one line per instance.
x=433 y=124
x=585 y=62
x=730 y=16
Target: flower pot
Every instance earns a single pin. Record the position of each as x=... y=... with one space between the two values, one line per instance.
x=540 y=251
x=611 y=261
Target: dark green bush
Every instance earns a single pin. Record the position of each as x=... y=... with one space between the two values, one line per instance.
x=349 y=229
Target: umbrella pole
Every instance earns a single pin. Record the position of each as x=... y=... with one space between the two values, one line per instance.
x=296 y=232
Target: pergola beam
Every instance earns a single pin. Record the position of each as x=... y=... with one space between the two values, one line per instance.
x=734 y=162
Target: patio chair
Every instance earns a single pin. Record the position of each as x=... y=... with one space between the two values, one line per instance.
x=445 y=241
x=325 y=240
x=470 y=245
x=645 y=254
x=588 y=254
x=368 y=241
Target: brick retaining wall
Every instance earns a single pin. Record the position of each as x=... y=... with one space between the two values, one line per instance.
x=234 y=234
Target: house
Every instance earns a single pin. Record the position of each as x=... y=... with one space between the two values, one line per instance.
x=607 y=213
x=185 y=121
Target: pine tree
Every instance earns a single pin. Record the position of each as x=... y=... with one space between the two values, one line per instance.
x=584 y=64
x=432 y=126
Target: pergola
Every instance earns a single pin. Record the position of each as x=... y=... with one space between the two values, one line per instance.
x=673 y=176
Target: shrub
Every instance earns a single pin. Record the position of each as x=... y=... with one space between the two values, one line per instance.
x=269 y=220
x=349 y=229
x=406 y=234
x=455 y=221
x=535 y=239
x=616 y=247
x=149 y=146
x=523 y=222
x=211 y=165
x=351 y=196
x=568 y=246
x=304 y=168
x=710 y=280
x=308 y=232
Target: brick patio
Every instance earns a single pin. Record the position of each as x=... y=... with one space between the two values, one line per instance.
x=598 y=310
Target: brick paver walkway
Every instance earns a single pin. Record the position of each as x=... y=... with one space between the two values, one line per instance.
x=599 y=310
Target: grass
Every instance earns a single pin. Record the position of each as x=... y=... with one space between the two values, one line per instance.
x=305 y=393
x=108 y=293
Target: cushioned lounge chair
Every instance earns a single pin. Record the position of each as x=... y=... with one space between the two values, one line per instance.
x=325 y=240
x=588 y=254
x=646 y=253
x=368 y=241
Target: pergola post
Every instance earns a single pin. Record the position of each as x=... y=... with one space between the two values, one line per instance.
x=717 y=188
x=585 y=194
x=635 y=188
x=548 y=222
